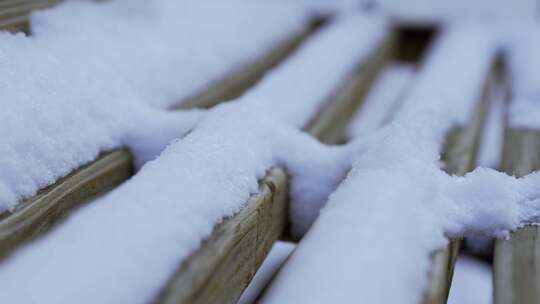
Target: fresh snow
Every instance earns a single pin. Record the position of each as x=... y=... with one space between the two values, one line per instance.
x=276 y=257
x=427 y=11
x=523 y=50
x=94 y=77
x=491 y=144
x=89 y=77
x=129 y=242
x=397 y=206
x=52 y=124
x=383 y=99
x=295 y=91
x=472 y=282
x=169 y=50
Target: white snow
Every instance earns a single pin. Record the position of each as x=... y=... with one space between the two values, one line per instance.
x=85 y=81
x=169 y=50
x=128 y=243
x=58 y=116
x=523 y=49
x=294 y=92
x=472 y=282
x=397 y=206
x=491 y=144
x=383 y=99
x=72 y=95
x=277 y=255
x=458 y=10
x=314 y=73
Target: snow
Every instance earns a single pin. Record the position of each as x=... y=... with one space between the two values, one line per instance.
x=276 y=257
x=110 y=87
x=383 y=98
x=491 y=145
x=98 y=76
x=129 y=242
x=523 y=50
x=301 y=78
x=472 y=282
x=459 y=10
x=169 y=50
x=52 y=124
x=397 y=206
x=283 y=89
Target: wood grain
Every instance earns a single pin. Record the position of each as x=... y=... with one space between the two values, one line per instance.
x=516 y=261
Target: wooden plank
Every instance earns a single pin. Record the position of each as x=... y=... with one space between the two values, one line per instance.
x=51 y=205
x=459 y=156
x=241 y=250
x=516 y=261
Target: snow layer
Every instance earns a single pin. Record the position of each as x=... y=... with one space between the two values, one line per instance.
x=472 y=282
x=457 y=10
x=85 y=81
x=383 y=98
x=491 y=145
x=313 y=73
x=397 y=206
x=277 y=255
x=128 y=243
x=523 y=49
x=52 y=123
x=169 y=50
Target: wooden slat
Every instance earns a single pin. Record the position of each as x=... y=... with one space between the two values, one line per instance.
x=51 y=205
x=241 y=250
x=459 y=156
x=516 y=261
